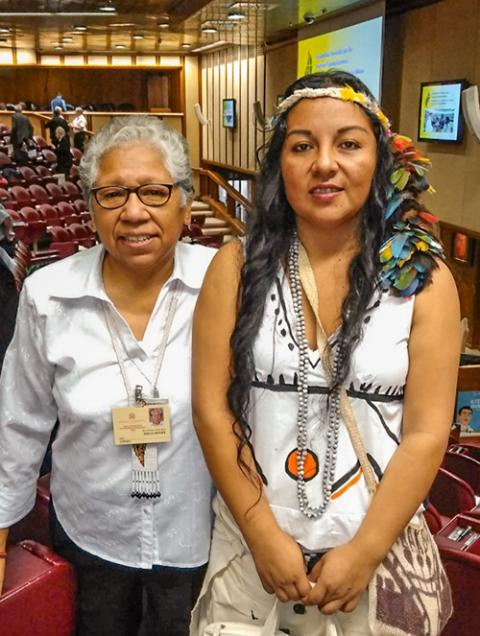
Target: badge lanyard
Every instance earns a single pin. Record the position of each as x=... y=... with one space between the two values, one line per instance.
x=117 y=341
x=145 y=473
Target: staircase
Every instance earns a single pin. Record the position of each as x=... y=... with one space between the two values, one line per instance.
x=205 y=215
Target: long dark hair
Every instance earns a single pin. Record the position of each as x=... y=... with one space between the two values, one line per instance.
x=270 y=230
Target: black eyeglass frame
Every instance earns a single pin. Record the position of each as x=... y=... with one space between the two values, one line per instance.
x=129 y=191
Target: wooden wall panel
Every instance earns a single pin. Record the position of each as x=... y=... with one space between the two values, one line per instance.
x=439 y=42
x=237 y=73
x=78 y=85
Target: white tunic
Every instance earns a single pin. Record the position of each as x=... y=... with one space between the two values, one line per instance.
x=375 y=386
x=61 y=363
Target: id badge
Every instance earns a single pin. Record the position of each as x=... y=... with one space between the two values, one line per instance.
x=146 y=424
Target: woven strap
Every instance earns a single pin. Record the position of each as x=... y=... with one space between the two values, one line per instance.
x=308 y=283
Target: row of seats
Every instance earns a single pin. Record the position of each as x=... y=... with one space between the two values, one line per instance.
x=16 y=197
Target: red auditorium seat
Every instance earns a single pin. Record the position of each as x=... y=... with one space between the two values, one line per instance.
x=49 y=156
x=434 y=519
x=29 y=175
x=40 y=141
x=467 y=449
x=27 y=213
x=451 y=495
x=13 y=177
x=5 y=161
x=36 y=226
x=74 y=173
x=77 y=155
x=62 y=241
x=465 y=467
x=45 y=174
x=19 y=225
x=39 y=194
x=71 y=190
x=66 y=209
x=22 y=196
x=50 y=215
x=80 y=206
x=82 y=234
x=39 y=593
x=56 y=193
x=7 y=200
x=463 y=570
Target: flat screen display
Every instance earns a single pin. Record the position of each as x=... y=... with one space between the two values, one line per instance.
x=440 y=117
x=229 y=113
x=356 y=49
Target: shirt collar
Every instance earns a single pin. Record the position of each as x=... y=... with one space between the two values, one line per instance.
x=82 y=273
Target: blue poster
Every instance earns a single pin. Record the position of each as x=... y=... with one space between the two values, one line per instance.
x=467 y=412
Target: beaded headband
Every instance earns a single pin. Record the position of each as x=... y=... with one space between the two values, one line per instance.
x=345 y=93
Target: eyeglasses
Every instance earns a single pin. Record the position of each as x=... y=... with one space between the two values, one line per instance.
x=152 y=194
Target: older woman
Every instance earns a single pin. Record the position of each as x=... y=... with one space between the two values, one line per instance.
x=339 y=335
x=101 y=337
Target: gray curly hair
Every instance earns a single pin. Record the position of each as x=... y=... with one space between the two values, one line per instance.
x=121 y=131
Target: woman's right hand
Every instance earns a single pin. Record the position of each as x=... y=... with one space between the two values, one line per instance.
x=281 y=567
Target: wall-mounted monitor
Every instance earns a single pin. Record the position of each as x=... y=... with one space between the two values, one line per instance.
x=356 y=49
x=440 y=117
x=229 y=111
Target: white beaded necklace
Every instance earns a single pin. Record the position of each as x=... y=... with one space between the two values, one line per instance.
x=328 y=476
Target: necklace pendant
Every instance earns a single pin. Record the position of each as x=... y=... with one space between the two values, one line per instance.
x=139 y=401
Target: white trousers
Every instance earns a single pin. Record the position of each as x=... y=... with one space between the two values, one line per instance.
x=232 y=591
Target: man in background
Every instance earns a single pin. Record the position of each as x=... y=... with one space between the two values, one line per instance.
x=57 y=121
x=21 y=134
x=59 y=102
x=79 y=126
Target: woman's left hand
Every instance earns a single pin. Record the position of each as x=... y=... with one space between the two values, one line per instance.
x=340 y=577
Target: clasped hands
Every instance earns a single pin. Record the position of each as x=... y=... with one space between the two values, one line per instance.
x=336 y=582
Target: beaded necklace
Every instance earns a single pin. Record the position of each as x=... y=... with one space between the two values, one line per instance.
x=328 y=475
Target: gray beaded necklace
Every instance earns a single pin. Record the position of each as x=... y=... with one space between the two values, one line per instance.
x=312 y=512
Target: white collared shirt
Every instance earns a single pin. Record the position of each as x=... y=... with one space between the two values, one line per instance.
x=79 y=123
x=61 y=363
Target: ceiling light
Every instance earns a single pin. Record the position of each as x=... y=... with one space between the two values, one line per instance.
x=163 y=25
x=120 y=46
x=58 y=47
x=4 y=30
x=122 y=24
x=213 y=45
x=67 y=39
x=108 y=7
x=209 y=29
x=80 y=27
x=236 y=15
x=186 y=45
x=138 y=36
x=258 y=6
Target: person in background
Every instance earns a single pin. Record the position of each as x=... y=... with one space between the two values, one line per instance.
x=464 y=419
x=319 y=302
x=58 y=102
x=101 y=332
x=56 y=121
x=79 y=126
x=21 y=135
x=8 y=288
x=63 y=152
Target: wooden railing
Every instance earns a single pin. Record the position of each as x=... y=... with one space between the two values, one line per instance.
x=237 y=205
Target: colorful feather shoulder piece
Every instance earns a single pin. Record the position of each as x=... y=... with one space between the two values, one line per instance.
x=408 y=256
